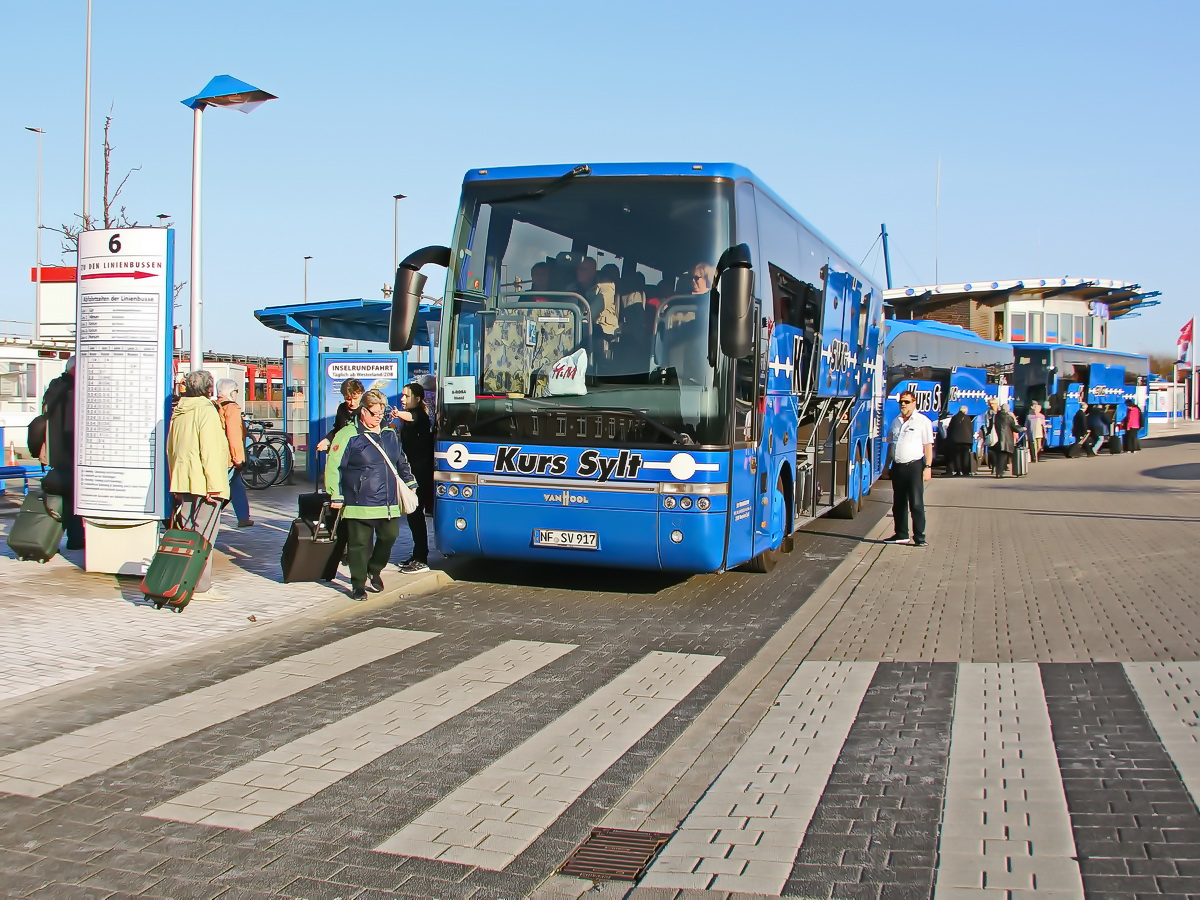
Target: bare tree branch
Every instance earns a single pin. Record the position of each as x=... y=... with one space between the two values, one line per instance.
x=117 y=192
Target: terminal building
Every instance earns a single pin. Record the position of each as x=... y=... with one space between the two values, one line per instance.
x=1037 y=310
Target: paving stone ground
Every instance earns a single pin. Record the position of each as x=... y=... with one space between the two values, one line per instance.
x=1013 y=712
x=59 y=623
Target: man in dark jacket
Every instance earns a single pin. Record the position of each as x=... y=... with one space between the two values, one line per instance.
x=58 y=406
x=1097 y=425
x=960 y=434
x=1079 y=429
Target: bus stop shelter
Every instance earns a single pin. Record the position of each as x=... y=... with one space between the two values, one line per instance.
x=338 y=320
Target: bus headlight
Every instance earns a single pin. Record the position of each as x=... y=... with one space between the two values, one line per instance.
x=468 y=492
x=460 y=523
x=703 y=503
x=685 y=502
x=441 y=490
x=452 y=490
x=669 y=502
x=676 y=537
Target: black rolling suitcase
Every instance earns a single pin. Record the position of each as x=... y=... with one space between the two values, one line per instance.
x=1114 y=444
x=312 y=550
x=38 y=529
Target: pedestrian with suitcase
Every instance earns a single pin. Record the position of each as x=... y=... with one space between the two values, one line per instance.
x=54 y=445
x=369 y=479
x=198 y=458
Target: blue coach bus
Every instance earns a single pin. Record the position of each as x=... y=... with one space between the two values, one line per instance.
x=946 y=367
x=644 y=365
x=1059 y=376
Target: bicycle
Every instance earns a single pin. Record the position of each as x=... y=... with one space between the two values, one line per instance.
x=269 y=456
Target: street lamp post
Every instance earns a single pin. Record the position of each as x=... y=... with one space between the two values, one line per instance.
x=396 y=233
x=37 y=267
x=227 y=91
x=306 y=259
x=87 y=119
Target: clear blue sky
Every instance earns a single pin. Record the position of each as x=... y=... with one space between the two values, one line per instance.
x=1067 y=131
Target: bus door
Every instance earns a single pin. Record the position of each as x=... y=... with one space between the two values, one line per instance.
x=836 y=381
x=1071 y=401
x=839 y=338
x=755 y=376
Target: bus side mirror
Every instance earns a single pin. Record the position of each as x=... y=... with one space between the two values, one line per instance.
x=736 y=280
x=406 y=297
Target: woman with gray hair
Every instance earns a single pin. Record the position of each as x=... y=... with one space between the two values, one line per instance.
x=198 y=457
x=235 y=433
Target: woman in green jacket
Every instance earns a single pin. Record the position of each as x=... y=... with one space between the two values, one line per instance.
x=363 y=475
x=198 y=456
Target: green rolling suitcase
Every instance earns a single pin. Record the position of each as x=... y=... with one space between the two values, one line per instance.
x=182 y=554
x=38 y=529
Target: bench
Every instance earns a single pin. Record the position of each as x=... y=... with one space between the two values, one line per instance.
x=13 y=472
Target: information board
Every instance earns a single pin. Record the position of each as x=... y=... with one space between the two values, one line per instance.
x=377 y=371
x=123 y=347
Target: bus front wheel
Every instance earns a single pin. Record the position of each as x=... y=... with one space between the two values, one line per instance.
x=768 y=559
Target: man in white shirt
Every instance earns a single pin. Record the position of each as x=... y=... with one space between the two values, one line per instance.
x=910 y=449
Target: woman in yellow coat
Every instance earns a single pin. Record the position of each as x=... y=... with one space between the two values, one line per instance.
x=198 y=457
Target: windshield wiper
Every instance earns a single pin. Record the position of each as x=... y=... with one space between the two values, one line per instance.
x=677 y=437
x=504 y=415
x=549 y=187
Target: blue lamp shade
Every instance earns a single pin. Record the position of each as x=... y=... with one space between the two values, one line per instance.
x=225 y=90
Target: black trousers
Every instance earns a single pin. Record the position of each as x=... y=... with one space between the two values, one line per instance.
x=908 y=495
x=1132 y=441
x=959 y=455
x=365 y=559
x=1001 y=458
x=416 y=520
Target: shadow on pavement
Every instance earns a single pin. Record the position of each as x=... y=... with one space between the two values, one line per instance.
x=1181 y=472
x=1131 y=517
x=563 y=577
x=1169 y=440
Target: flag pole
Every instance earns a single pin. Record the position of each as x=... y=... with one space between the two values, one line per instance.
x=1174 y=391
x=1192 y=354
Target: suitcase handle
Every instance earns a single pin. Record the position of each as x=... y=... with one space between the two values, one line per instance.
x=320 y=523
x=209 y=527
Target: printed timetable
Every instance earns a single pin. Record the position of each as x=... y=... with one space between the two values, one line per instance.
x=121 y=358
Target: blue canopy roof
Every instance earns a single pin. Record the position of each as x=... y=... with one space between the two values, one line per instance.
x=350 y=320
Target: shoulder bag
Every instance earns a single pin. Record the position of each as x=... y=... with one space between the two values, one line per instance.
x=408 y=497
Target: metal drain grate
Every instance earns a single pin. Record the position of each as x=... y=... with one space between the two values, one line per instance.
x=613 y=854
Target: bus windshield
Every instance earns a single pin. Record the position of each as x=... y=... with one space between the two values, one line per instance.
x=579 y=312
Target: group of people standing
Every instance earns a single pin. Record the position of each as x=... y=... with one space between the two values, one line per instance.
x=1001 y=434
x=370 y=466
x=1091 y=425
x=368 y=462
x=911 y=444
